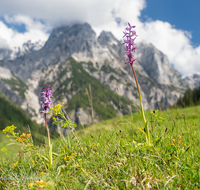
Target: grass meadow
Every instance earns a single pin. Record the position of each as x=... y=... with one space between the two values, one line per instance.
x=111 y=155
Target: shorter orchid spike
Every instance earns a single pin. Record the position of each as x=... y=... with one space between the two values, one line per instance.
x=46 y=104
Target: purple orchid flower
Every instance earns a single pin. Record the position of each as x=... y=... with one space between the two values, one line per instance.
x=129 y=34
x=46 y=104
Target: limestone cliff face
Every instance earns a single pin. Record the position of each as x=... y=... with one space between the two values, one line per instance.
x=157 y=65
x=101 y=59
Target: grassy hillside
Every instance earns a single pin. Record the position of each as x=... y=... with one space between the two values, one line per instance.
x=112 y=155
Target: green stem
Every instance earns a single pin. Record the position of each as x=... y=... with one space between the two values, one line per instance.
x=141 y=106
x=142 y=111
x=50 y=147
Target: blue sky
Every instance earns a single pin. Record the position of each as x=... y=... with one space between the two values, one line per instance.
x=182 y=14
x=15 y=26
x=172 y=26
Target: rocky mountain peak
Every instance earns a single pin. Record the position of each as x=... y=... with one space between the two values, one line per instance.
x=70 y=38
x=106 y=38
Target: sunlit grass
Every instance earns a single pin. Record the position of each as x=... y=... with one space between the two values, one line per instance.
x=110 y=155
x=11 y=150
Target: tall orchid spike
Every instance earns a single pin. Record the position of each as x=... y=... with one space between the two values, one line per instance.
x=130 y=36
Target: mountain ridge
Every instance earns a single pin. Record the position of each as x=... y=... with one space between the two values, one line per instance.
x=101 y=57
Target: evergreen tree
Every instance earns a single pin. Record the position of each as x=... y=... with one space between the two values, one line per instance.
x=190 y=98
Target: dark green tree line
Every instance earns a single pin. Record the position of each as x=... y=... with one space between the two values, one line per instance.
x=190 y=98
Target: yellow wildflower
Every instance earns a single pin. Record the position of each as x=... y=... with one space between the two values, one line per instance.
x=38 y=181
x=56 y=109
x=9 y=129
x=179 y=136
x=41 y=173
x=7 y=136
x=63 y=103
x=34 y=163
x=23 y=135
x=41 y=183
x=30 y=184
x=28 y=135
x=15 y=163
x=18 y=139
x=70 y=157
x=3 y=149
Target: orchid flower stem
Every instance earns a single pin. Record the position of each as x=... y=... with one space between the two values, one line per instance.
x=141 y=106
x=142 y=111
x=130 y=36
x=50 y=147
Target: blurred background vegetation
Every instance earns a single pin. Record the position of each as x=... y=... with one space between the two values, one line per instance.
x=190 y=98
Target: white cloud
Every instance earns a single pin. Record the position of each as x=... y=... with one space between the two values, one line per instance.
x=35 y=30
x=187 y=61
x=174 y=43
x=102 y=15
x=56 y=11
x=3 y=42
